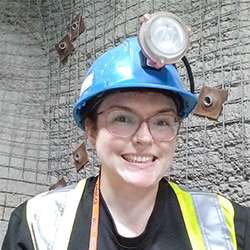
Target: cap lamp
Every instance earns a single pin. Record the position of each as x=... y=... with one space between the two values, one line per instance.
x=164 y=38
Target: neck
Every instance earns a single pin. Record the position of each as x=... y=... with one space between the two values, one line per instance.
x=130 y=206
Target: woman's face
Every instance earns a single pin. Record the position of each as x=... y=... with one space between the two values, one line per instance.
x=139 y=159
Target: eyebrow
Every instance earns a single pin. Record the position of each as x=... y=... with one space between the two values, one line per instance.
x=163 y=110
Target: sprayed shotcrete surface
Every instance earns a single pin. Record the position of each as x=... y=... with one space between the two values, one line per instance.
x=37 y=133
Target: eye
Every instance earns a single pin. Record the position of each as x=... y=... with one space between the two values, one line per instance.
x=122 y=119
x=162 y=122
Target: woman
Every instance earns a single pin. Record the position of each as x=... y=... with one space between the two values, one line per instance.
x=131 y=115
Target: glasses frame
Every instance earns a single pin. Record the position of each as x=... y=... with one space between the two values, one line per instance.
x=142 y=120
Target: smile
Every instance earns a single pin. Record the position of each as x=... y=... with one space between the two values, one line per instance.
x=138 y=158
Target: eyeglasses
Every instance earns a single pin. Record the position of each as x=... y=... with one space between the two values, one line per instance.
x=163 y=126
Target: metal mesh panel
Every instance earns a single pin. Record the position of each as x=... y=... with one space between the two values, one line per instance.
x=24 y=71
x=37 y=91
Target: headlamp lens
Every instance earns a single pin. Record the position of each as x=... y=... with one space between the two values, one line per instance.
x=164 y=38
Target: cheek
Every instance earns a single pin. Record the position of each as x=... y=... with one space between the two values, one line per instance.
x=106 y=144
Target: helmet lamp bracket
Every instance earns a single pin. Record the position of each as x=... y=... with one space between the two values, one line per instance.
x=156 y=57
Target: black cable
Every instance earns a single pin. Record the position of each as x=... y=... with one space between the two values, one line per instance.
x=190 y=74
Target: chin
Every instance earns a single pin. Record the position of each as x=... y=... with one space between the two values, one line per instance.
x=141 y=180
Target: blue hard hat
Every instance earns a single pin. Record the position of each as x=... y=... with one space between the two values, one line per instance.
x=121 y=68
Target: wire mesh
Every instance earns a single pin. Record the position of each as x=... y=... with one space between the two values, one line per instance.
x=37 y=91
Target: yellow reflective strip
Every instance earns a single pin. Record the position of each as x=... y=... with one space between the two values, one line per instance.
x=190 y=218
x=228 y=212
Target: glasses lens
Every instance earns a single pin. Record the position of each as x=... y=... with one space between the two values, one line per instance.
x=163 y=127
x=122 y=123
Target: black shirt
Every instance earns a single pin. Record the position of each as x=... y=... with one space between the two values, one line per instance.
x=165 y=228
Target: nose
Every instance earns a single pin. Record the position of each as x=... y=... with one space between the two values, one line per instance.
x=143 y=134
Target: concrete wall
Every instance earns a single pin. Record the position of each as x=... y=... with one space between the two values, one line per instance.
x=37 y=92
x=211 y=155
x=24 y=105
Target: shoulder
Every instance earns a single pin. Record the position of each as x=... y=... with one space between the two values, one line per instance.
x=62 y=195
x=234 y=214
x=53 y=196
x=18 y=232
x=56 y=200
x=242 y=213
x=37 y=212
x=19 y=212
x=62 y=204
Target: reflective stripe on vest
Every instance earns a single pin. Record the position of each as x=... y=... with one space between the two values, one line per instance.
x=53 y=232
x=209 y=219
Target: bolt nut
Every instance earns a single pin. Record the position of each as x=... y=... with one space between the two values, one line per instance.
x=80 y=157
x=208 y=101
x=64 y=48
x=75 y=26
x=62 y=45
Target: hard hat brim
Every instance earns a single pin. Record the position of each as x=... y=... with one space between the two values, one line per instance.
x=188 y=99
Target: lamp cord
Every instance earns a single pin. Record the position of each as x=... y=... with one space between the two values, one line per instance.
x=190 y=73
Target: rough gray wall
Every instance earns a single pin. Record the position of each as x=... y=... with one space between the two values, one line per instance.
x=216 y=155
x=24 y=74
x=211 y=155
x=36 y=127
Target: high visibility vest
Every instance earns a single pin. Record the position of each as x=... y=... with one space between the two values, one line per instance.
x=209 y=218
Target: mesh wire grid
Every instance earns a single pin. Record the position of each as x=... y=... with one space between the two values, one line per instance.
x=37 y=92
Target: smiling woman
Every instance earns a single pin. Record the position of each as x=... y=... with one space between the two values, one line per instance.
x=135 y=149
x=133 y=158
x=132 y=121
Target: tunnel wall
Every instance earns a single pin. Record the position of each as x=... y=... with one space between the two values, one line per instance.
x=38 y=91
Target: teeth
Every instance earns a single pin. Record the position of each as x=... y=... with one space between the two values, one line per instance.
x=138 y=158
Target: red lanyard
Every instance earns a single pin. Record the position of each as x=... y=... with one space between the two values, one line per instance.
x=95 y=217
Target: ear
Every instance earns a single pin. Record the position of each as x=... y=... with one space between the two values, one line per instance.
x=91 y=131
